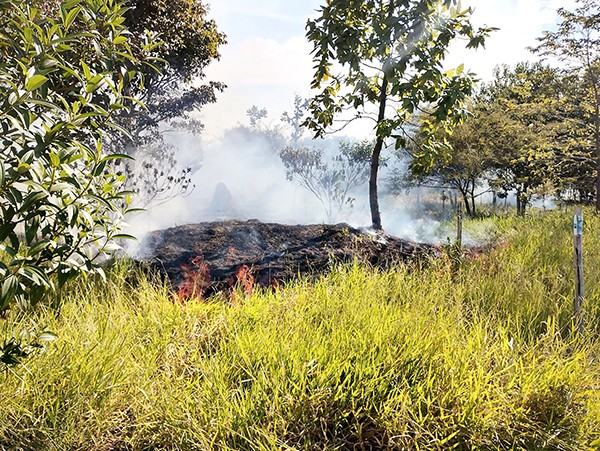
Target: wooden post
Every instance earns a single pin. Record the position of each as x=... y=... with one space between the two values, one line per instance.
x=459 y=223
x=578 y=248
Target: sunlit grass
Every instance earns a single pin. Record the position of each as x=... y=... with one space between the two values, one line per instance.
x=479 y=356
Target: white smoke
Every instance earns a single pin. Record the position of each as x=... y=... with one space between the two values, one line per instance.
x=240 y=176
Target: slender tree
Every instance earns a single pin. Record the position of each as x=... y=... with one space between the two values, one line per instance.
x=295 y=119
x=330 y=178
x=390 y=55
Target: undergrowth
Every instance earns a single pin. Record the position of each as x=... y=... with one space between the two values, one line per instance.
x=472 y=356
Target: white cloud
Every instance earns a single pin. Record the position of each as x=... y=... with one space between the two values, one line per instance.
x=260 y=72
x=260 y=61
x=521 y=22
x=267 y=71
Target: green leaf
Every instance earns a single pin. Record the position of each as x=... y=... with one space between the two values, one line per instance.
x=99 y=169
x=12 y=353
x=71 y=16
x=38 y=247
x=86 y=71
x=116 y=156
x=35 y=275
x=32 y=227
x=23 y=168
x=134 y=210
x=68 y=4
x=64 y=275
x=35 y=82
x=8 y=291
x=47 y=336
x=31 y=200
x=124 y=236
x=94 y=83
x=54 y=160
x=62 y=186
x=102 y=201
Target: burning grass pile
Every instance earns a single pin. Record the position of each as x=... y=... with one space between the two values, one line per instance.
x=202 y=259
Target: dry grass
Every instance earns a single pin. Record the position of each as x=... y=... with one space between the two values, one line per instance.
x=475 y=357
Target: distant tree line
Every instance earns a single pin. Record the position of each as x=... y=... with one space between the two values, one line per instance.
x=534 y=129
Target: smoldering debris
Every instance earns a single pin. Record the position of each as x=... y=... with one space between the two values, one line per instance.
x=241 y=177
x=274 y=253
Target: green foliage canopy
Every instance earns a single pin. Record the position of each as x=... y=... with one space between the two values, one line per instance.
x=519 y=136
x=391 y=54
x=61 y=81
x=576 y=43
x=518 y=117
x=468 y=160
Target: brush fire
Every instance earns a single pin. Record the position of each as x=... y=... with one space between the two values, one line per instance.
x=236 y=256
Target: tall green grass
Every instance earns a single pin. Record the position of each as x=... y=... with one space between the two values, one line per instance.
x=474 y=356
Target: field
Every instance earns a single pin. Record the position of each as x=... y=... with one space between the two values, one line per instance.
x=471 y=353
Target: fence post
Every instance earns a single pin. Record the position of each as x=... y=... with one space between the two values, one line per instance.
x=578 y=249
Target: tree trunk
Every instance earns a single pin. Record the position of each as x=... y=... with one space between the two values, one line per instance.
x=526 y=199
x=593 y=77
x=443 y=201
x=522 y=201
x=465 y=195
x=597 y=142
x=375 y=157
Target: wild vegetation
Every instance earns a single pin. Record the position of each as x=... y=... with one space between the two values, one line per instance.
x=535 y=128
x=468 y=350
x=477 y=354
x=61 y=207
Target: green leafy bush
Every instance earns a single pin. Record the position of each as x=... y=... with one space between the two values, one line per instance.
x=61 y=80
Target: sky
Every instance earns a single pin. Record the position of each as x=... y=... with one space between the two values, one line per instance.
x=267 y=59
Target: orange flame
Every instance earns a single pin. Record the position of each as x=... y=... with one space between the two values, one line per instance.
x=244 y=279
x=196 y=280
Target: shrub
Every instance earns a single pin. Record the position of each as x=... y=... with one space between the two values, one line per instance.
x=61 y=81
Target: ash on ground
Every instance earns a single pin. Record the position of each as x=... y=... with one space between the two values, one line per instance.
x=275 y=253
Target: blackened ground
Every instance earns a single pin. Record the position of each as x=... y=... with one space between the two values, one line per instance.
x=275 y=253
